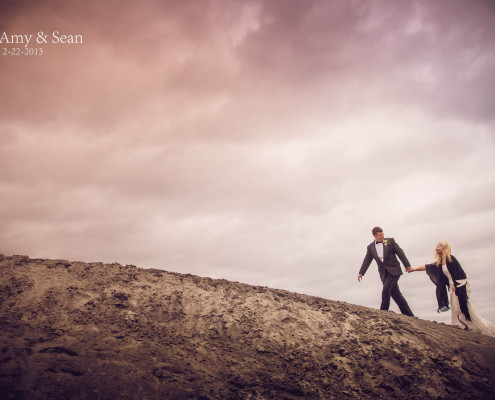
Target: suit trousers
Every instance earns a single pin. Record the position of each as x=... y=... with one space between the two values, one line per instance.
x=391 y=289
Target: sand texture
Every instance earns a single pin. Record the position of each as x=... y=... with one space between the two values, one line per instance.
x=74 y=330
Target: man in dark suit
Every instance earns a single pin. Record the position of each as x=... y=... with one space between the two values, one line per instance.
x=385 y=252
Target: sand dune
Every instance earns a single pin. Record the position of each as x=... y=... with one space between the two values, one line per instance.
x=73 y=330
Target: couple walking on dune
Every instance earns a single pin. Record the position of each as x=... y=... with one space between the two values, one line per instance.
x=446 y=273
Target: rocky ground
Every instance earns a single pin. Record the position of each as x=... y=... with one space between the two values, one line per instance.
x=73 y=330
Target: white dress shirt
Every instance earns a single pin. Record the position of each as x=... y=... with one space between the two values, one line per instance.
x=379 y=250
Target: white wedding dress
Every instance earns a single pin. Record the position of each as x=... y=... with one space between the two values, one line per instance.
x=477 y=324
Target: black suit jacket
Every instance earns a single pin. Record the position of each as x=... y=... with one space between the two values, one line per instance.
x=391 y=251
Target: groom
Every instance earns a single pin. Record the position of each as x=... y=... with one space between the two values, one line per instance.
x=385 y=252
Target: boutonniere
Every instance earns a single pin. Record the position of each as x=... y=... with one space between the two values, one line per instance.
x=386 y=242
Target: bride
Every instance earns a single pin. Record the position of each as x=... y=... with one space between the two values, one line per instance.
x=446 y=272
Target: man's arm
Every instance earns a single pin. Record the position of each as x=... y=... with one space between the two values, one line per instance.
x=402 y=256
x=366 y=263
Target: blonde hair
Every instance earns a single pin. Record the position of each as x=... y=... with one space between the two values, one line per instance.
x=440 y=259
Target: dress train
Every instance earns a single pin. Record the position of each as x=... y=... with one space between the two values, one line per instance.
x=477 y=323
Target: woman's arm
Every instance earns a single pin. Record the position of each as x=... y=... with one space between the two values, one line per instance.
x=422 y=268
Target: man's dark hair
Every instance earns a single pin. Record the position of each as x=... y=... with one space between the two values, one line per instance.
x=376 y=229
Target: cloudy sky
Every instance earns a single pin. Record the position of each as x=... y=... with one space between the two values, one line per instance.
x=255 y=141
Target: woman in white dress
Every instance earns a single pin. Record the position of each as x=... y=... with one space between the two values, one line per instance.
x=447 y=273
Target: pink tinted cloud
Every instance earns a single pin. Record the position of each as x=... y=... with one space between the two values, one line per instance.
x=268 y=59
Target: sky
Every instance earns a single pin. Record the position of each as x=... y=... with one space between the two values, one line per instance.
x=254 y=141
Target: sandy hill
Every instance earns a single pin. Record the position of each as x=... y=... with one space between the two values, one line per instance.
x=73 y=330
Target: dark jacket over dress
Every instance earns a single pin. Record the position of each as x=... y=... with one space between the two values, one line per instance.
x=437 y=276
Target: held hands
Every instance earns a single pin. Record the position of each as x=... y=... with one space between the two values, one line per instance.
x=410 y=269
